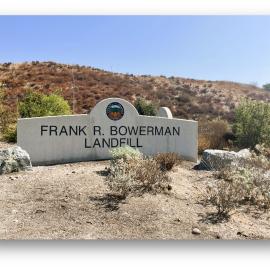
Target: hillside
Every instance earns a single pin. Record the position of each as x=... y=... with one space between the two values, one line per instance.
x=84 y=86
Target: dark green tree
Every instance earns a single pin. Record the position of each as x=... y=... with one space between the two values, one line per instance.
x=35 y=104
x=266 y=86
x=145 y=107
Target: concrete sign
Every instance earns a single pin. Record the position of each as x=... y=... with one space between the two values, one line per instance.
x=113 y=122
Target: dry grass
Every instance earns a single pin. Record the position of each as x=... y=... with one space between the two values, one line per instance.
x=242 y=183
x=212 y=134
x=167 y=161
x=187 y=98
x=136 y=176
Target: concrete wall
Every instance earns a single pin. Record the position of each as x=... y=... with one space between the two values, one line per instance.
x=45 y=147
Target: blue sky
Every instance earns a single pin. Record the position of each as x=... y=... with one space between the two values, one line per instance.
x=234 y=48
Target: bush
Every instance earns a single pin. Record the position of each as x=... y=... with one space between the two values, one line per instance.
x=145 y=107
x=135 y=175
x=8 y=118
x=240 y=184
x=212 y=134
x=125 y=153
x=36 y=104
x=10 y=133
x=166 y=161
x=266 y=87
x=225 y=196
x=252 y=123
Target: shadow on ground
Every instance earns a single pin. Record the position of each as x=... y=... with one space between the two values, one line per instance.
x=109 y=201
x=104 y=172
x=213 y=218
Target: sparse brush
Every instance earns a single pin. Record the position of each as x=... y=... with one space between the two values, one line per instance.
x=240 y=184
x=135 y=175
x=204 y=143
x=167 y=161
x=224 y=196
x=211 y=134
x=125 y=153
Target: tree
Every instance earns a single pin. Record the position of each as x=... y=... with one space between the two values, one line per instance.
x=35 y=104
x=266 y=86
x=252 y=123
x=145 y=107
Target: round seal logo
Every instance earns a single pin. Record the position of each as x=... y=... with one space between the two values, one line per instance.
x=115 y=111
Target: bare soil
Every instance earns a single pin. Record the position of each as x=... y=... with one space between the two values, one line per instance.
x=71 y=201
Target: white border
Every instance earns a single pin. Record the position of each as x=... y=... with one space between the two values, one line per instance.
x=150 y=7
x=137 y=255
x=133 y=254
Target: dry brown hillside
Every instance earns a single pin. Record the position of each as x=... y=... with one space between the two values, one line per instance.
x=84 y=86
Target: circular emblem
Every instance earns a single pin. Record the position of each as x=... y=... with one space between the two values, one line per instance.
x=115 y=111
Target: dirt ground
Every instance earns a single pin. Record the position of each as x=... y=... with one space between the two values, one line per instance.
x=71 y=201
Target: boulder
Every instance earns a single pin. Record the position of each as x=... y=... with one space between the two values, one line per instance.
x=244 y=153
x=14 y=159
x=217 y=159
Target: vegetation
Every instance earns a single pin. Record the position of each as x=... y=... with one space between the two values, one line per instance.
x=126 y=152
x=132 y=174
x=35 y=104
x=10 y=133
x=8 y=118
x=85 y=86
x=212 y=134
x=246 y=182
x=145 y=107
x=167 y=161
x=252 y=123
x=266 y=86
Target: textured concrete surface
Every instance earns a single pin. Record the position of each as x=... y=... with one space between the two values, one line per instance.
x=72 y=138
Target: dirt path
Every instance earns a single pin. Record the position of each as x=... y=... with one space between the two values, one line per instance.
x=71 y=202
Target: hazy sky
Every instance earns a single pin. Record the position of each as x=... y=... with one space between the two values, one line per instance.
x=201 y=47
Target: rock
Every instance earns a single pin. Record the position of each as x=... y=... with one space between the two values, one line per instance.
x=38 y=211
x=242 y=234
x=244 y=153
x=196 y=231
x=14 y=159
x=218 y=159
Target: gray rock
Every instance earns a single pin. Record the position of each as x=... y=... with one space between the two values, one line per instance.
x=196 y=231
x=14 y=159
x=217 y=159
x=244 y=153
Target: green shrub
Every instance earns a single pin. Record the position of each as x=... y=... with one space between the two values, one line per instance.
x=238 y=185
x=8 y=118
x=9 y=134
x=166 y=161
x=36 y=104
x=125 y=153
x=252 y=123
x=131 y=174
x=145 y=107
x=266 y=87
